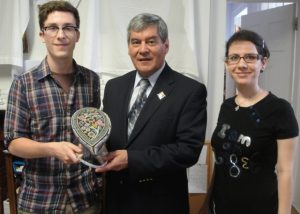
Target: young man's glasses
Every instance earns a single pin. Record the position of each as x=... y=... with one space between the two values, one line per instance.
x=52 y=31
x=248 y=58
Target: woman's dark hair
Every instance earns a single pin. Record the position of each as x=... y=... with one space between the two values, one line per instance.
x=247 y=35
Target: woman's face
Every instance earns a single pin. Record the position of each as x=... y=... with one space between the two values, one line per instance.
x=242 y=72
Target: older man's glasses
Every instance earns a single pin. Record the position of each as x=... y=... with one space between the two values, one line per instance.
x=52 y=31
x=248 y=58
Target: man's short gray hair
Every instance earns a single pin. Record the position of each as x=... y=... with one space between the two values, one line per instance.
x=144 y=20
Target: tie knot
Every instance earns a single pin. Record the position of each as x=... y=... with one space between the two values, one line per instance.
x=144 y=83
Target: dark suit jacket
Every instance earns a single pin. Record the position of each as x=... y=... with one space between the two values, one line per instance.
x=167 y=138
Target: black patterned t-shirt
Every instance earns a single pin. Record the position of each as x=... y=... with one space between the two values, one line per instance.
x=245 y=148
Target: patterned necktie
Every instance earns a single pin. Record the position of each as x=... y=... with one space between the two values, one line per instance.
x=137 y=105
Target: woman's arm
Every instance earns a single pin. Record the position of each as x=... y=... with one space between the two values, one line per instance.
x=285 y=162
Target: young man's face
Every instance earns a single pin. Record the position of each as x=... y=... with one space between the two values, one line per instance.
x=60 y=45
x=147 y=51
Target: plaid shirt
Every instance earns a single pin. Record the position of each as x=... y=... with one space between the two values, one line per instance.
x=39 y=109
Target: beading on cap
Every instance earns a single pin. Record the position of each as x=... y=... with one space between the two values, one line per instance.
x=263 y=43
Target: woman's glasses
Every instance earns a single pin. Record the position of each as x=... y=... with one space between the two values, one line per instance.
x=248 y=58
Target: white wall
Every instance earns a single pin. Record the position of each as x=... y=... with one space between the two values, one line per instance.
x=296 y=201
x=216 y=40
x=5 y=81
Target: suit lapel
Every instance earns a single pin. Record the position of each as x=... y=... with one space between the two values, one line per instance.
x=157 y=97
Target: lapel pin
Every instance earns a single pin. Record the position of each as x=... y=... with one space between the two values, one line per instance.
x=161 y=95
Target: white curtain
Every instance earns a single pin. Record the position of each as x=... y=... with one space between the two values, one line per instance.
x=196 y=37
x=14 y=17
x=196 y=34
x=103 y=43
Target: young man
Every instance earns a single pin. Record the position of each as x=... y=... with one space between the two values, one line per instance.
x=151 y=148
x=38 y=121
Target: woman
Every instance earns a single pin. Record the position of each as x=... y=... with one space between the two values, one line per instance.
x=255 y=138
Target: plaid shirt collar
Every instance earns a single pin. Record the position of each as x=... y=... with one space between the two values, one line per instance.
x=44 y=70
